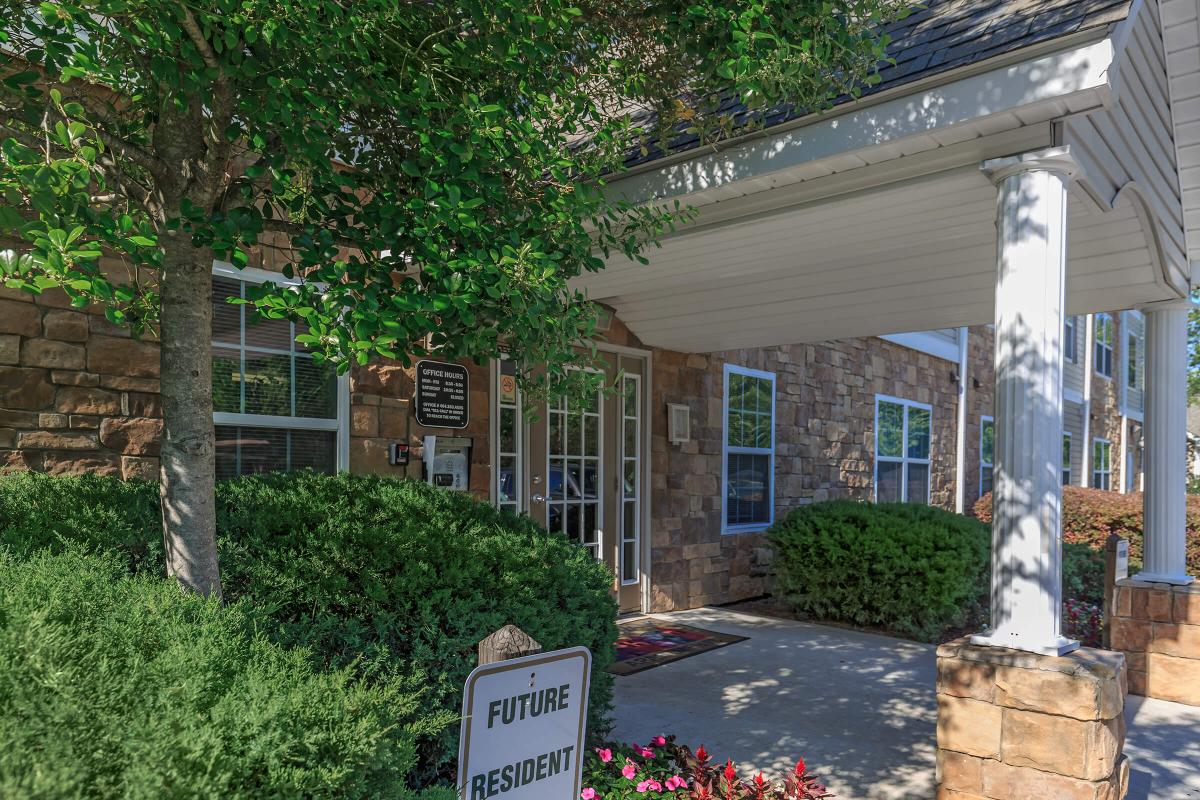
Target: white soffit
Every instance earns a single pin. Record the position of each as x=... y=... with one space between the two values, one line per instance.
x=958 y=107
x=1181 y=37
x=925 y=259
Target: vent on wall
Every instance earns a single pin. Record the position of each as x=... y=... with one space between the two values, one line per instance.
x=679 y=423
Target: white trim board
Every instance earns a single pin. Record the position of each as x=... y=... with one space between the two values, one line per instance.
x=928 y=342
x=1073 y=80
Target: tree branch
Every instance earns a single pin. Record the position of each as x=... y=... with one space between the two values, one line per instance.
x=192 y=28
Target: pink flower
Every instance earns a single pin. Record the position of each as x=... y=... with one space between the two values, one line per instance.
x=675 y=782
x=605 y=754
x=649 y=785
x=629 y=770
x=588 y=794
x=644 y=752
x=658 y=741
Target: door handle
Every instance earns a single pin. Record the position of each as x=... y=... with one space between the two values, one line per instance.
x=538 y=498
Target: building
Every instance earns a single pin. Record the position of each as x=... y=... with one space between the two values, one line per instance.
x=756 y=431
x=1020 y=164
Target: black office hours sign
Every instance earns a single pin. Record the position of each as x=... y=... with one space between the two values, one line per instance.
x=442 y=394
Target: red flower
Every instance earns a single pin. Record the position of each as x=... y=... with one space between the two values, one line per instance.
x=730 y=774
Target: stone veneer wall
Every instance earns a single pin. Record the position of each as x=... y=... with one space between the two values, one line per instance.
x=981 y=388
x=1157 y=626
x=1014 y=725
x=824 y=449
x=381 y=413
x=77 y=394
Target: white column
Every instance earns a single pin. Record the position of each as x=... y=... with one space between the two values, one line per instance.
x=1031 y=228
x=1164 y=547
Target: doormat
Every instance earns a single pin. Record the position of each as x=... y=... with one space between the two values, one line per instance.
x=646 y=643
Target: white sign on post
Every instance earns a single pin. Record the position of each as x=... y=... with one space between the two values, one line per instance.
x=523 y=727
x=1122 y=566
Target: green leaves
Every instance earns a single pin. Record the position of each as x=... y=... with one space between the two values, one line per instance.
x=430 y=173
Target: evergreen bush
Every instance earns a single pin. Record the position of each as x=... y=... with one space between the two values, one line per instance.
x=913 y=570
x=122 y=686
x=394 y=579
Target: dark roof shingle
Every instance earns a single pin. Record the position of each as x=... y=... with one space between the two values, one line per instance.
x=944 y=35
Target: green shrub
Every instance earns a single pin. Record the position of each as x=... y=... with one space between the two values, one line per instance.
x=118 y=686
x=396 y=578
x=914 y=570
x=1083 y=573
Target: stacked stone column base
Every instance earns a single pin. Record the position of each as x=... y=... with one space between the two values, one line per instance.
x=1014 y=725
x=1157 y=626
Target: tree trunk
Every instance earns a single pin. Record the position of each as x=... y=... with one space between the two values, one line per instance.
x=187 y=475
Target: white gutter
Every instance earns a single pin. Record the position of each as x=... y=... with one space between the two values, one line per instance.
x=960 y=497
x=1076 y=75
x=1085 y=477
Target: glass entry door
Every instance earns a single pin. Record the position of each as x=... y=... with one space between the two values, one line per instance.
x=586 y=472
x=575 y=470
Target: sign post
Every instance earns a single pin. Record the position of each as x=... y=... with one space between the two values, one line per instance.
x=442 y=395
x=1116 y=568
x=523 y=727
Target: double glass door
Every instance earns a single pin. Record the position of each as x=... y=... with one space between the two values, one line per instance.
x=585 y=472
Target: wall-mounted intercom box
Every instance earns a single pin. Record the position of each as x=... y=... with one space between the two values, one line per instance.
x=447 y=462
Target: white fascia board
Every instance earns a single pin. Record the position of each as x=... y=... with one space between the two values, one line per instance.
x=1078 y=76
x=926 y=342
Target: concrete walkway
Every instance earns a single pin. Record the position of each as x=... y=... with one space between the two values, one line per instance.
x=1163 y=745
x=858 y=707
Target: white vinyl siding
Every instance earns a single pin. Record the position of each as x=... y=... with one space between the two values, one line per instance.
x=903 y=435
x=1132 y=142
x=748 y=452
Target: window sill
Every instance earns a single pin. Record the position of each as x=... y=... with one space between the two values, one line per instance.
x=733 y=530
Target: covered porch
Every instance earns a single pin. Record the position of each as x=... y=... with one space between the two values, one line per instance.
x=858 y=707
x=1061 y=177
x=1041 y=177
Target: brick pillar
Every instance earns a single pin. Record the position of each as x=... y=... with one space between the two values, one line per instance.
x=1013 y=724
x=1157 y=626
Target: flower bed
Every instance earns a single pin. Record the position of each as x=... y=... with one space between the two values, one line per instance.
x=667 y=769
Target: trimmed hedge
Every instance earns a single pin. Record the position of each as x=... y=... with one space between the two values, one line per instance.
x=119 y=686
x=394 y=578
x=914 y=570
x=1090 y=515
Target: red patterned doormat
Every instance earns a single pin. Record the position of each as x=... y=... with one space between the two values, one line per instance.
x=646 y=643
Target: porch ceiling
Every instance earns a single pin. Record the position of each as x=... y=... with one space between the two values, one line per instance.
x=913 y=255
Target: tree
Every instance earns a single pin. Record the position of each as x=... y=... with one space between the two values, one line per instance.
x=433 y=171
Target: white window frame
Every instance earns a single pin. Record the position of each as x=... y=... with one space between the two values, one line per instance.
x=1133 y=358
x=904 y=459
x=339 y=424
x=633 y=537
x=601 y=456
x=521 y=434
x=1070 y=323
x=1066 y=472
x=983 y=422
x=726 y=451
x=1103 y=471
x=1101 y=347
